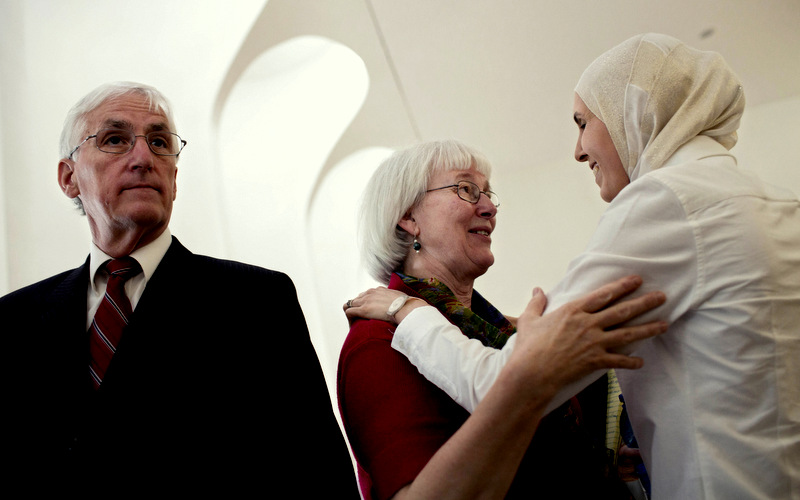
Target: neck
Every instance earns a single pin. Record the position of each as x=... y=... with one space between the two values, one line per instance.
x=122 y=243
x=460 y=286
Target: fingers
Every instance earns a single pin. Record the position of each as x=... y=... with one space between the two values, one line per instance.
x=598 y=302
x=350 y=311
x=371 y=304
x=629 y=309
x=623 y=362
x=362 y=295
x=622 y=337
x=615 y=345
x=607 y=294
x=626 y=451
x=537 y=303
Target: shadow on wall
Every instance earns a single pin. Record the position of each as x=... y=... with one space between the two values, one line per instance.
x=276 y=130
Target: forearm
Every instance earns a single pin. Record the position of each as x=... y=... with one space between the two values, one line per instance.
x=462 y=367
x=482 y=458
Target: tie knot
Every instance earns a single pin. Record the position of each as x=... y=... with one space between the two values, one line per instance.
x=124 y=267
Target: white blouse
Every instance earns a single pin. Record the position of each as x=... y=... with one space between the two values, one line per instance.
x=716 y=407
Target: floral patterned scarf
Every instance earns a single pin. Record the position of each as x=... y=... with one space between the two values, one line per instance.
x=482 y=322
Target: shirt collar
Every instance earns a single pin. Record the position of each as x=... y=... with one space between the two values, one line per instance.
x=148 y=256
x=696 y=149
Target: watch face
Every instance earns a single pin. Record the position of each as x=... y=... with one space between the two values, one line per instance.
x=396 y=305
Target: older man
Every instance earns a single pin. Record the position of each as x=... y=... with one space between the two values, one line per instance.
x=149 y=365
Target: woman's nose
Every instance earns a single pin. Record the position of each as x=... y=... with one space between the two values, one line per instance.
x=485 y=206
x=579 y=154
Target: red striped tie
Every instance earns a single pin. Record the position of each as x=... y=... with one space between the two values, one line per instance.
x=111 y=317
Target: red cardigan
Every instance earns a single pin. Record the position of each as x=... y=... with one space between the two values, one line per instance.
x=395 y=420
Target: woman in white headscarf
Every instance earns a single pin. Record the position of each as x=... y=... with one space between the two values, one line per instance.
x=655 y=94
x=716 y=408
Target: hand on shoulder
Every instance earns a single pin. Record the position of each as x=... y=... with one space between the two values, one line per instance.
x=584 y=335
x=383 y=304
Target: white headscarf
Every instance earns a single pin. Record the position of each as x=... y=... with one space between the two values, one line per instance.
x=654 y=94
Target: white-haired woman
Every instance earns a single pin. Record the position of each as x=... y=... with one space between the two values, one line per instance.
x=716 y=408
x=426 y=224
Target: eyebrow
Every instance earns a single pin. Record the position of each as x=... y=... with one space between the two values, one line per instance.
x=126 y=125
x=465 y=176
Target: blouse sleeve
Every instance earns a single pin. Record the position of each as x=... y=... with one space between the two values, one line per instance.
x=645 y=231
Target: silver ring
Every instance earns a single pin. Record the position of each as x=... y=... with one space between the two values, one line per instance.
x=349 y=303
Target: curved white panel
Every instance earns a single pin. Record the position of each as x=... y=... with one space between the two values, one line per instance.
x=332 y=240
x=280 y=122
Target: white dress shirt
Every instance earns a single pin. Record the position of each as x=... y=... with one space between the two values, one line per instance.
x=149 y=256
x=716 y=407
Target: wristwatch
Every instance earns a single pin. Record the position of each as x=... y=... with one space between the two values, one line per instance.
x=396 y=305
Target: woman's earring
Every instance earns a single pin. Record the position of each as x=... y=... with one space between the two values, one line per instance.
x=416 y=245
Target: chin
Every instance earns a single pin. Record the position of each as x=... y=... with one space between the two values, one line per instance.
x=606 y=196
x=485 y=266
x=147 y=215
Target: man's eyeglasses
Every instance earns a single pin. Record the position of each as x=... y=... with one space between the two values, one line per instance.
x=119 y=141
x=469 y=191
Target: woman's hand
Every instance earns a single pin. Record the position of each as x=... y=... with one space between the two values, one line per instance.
x=375 y=302
x=583 y=336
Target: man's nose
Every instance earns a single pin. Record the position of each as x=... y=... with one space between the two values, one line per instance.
x=141 y=154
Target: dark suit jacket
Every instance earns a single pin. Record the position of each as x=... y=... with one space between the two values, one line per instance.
x=215 y=383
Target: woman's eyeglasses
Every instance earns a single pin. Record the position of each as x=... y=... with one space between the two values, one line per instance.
x=470 y=192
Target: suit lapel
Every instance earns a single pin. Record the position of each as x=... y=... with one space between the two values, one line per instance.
x=65 y=307
x=162 y=289
x=62 y=327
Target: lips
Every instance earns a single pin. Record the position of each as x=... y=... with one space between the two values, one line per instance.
x=141 y=186
x=481 y=231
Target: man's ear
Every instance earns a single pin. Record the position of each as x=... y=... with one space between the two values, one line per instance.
x=66 y=178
